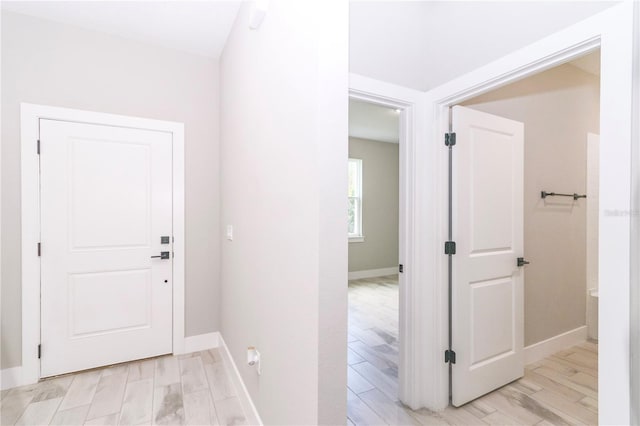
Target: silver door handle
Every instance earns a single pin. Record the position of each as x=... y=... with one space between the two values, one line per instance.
x=163 y=255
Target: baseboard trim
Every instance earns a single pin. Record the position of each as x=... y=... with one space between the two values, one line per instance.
x=11 y=378
x=371 y=273
x=253 y=418
x=201 y=342
x=541 y=350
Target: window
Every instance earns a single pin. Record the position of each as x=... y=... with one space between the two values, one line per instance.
x=355 y=199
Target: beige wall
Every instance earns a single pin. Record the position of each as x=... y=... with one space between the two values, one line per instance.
x=284 y=172
x=380 y=205
x=558 y=108
x=54 y=64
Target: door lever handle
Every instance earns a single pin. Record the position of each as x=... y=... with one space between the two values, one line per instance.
x=163 y=255
x=522 y=262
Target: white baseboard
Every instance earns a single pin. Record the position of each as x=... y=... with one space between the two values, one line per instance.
x=201 y=342
x=370 y=273
x=253 y=418
x=541 y=350
x=11 y=378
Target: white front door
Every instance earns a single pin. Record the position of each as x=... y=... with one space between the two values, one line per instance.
x=488 y=301
x=106 y=199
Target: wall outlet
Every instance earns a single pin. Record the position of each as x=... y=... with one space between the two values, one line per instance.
x=230 y=232
x=253 y=358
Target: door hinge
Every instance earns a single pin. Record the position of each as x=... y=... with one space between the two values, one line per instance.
x=449 y=356
x=450 y=247
x=38 y=146
x=39 y=351
x=449 y=139
x=401 y=268
x=39 y=249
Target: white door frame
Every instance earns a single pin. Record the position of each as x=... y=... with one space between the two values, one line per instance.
x=415 y=219
x=30 y=116
x=612 y=31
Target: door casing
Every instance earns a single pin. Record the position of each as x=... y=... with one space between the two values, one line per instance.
x=412 y=217
x=30 y=116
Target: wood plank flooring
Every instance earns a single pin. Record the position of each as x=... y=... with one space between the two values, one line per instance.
x=192 y=389
x=559 y=390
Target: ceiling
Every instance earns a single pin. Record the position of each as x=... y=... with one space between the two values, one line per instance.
x=199 y=27
x=418 y=44
x=422 y=44
x=373 y=122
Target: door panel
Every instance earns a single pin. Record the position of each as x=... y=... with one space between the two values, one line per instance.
x=96 y=221
x=105 y=202
x=492 y=332
x=109 y=302
x=488 y=148
x=488 y=304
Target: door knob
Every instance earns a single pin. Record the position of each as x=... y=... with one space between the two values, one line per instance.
x=522 y=262
x=163 y=255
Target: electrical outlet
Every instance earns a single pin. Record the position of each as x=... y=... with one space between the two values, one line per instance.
x=253 y=358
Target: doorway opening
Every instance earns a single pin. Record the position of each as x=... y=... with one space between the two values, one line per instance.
x=374 y=246
x=528 y=205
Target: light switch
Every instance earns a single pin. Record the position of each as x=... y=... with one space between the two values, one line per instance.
x=230 y=232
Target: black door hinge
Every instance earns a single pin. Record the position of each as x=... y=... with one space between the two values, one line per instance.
x=449 y=356
x=38 y=146
x=401 y=268
x=449 y=139
x=39 y=351
x=39 y=249
x=450 y=247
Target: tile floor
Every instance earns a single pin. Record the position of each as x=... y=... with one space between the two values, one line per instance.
x=192 y=389
x=559 y=390
x=195 y=389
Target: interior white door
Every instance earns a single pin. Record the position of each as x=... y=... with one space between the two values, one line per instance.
x=105 y=202
x=488 y=301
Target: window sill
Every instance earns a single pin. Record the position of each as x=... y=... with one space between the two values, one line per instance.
x=359 y=239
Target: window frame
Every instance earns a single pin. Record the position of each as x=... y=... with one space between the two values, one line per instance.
x=358 y=235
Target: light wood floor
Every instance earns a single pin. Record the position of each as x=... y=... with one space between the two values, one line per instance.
x=192 y=389
x=559 y=390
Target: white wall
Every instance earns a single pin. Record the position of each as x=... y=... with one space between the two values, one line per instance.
x=380 y=205
x=284 y=173
x=558 y=108
x=55 y=64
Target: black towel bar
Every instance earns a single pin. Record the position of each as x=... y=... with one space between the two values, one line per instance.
x=545 y=194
